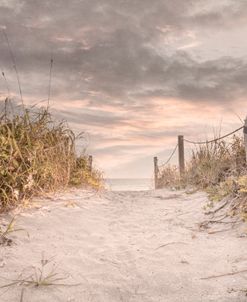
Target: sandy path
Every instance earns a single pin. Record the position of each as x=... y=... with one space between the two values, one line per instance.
x=126 y=247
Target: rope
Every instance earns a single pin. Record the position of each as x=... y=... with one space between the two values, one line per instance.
x=199 y=143
x=214 y=140
x=170 y=157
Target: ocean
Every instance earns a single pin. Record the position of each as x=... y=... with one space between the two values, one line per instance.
x=129 y=184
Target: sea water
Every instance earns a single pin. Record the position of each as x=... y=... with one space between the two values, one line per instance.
x=129 y=184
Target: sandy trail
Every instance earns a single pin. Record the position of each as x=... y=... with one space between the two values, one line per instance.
x=125 y=246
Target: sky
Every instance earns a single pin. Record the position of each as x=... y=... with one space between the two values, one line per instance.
x=131 y=74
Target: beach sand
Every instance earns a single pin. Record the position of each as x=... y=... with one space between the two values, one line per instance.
x=123 y=247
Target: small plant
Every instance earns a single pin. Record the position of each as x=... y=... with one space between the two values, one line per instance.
x=46 y=274
x=4 y=240
x=242 y=183
x=223 y=189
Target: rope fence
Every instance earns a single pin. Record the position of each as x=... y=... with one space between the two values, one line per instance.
x=169 y=159
x=180 y=147
x=214 y=140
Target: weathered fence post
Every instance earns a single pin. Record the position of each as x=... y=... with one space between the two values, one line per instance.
x=155 y=172
x=245 y=137
x=90 y=163
x=181 y=154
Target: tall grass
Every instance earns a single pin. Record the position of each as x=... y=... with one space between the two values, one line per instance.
x=219 y=168
x=213 y=163
x=38 y=155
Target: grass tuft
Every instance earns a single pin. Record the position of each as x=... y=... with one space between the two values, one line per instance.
x=9 y=229
x=46 y=274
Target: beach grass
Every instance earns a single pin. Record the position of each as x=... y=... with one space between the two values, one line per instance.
x=37 y=155
x=219 y=168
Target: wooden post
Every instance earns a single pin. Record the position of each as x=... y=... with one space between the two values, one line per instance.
x=181 y=154
x=90 y=163
x=155 y=172
x=245 y=137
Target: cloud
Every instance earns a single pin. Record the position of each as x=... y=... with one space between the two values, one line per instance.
x=128 y=69
x=112 y=48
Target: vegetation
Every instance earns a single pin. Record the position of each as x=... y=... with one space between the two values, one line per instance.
x=6 y=230
x=39 y=276
x=38 y=155
x=219 y=168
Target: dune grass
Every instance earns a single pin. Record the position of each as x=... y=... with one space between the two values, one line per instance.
x=37 y=155
x=219 y=168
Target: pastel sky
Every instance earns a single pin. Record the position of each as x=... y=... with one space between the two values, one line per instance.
x=132 y=74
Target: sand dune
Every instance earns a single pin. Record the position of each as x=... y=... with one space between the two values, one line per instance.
x=124 y=246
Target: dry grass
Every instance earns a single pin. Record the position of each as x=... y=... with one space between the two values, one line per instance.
x=211 y=164
x=45 y=274
x=169 y=178
x=38 y=155
x=81 y=173
x=219 y=168
x=7 y=229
